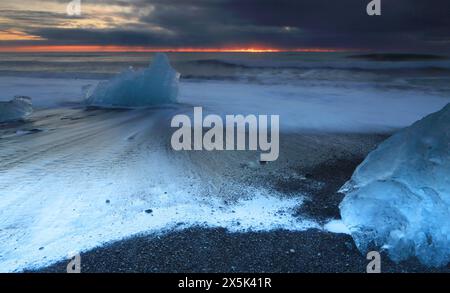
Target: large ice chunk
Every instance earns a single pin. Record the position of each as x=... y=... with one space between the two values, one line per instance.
x=157 y=84
x=16 y=109
x=399 y=197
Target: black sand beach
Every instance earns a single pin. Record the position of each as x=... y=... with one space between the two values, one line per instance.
x=200 y=249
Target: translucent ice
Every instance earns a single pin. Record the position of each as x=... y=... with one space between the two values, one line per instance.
x=155 y=85
x=399 y=197
x=16 y=109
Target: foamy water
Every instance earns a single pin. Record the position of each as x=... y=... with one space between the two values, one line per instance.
x=95 y=177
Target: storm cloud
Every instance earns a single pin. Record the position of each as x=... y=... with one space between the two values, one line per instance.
x=413 y=25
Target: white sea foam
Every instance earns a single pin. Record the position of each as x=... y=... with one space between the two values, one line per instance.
x=358 y=108
x=90 y=180
x=325 y=108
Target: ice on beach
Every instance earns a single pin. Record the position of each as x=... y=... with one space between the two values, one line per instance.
x=18 y=108
x=157 y=84
x=399 y=197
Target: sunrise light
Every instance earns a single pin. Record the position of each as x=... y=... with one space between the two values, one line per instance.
x=93 y=48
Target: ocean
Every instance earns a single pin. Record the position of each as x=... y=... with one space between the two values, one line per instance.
x=225 y=66
x=349 y=93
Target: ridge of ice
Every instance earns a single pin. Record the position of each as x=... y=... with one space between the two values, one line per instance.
x=399 y=197
x=18 y=108
x=155 y=85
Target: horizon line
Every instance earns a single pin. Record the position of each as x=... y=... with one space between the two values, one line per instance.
x=98 y=48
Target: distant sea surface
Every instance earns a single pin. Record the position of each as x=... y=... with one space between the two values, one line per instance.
x=321 y=91
x=258 y=67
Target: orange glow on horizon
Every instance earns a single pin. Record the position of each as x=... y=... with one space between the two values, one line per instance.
x=91 y=48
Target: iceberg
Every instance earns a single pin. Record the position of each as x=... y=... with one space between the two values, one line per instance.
x=155 y=85
x=398 y=199
x=18 y=108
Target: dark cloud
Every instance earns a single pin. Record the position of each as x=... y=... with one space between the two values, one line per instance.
x=404 y=24
x=30 y=18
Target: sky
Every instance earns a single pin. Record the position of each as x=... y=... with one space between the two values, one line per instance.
x=405 y=25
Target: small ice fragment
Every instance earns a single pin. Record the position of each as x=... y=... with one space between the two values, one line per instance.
x=155 y=85
x=26 y=132
x=18 y=108
x=336 y=226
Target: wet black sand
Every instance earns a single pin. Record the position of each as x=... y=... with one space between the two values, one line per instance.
x=200 y=249
x=216 y=250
